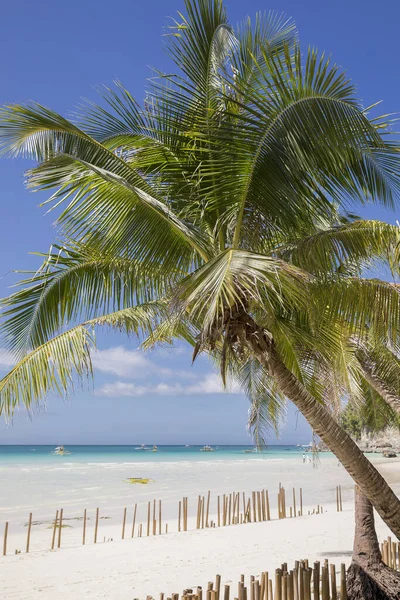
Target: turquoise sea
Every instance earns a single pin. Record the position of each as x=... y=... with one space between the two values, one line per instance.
x=33 y=479
x=119 y=454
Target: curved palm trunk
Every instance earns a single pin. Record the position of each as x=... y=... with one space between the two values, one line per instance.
x=368 y=578
x=370 y=481
x=377 y=384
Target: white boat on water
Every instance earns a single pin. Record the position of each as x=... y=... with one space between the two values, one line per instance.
x=145 y=448
x=207 y=449
x=61 y=451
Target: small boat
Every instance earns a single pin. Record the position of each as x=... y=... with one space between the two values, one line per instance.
x=187 y=446
x=249 y=451
x=61 y=451
x=143 y=447
x=207 y=449
x=155 y=448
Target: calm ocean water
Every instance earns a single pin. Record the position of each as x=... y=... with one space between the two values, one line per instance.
x=122 y=454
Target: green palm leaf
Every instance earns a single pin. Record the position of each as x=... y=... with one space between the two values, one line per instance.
x=75 y=283
x=55 y=365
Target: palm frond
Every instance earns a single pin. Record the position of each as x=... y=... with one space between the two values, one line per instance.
x=267 y=408
x=75 y=283
x=237 y=278
x=366 y=307
x=356 y=243
x=59 y=362
x=49 y=368
x=120 y=201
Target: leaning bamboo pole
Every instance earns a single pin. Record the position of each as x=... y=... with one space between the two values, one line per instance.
x=84 y=528
x=96 y=526
x=60 y=529
x=5 y=538
x=28 y=536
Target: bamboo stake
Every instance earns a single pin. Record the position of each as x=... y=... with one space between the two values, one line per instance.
x=218 y=585
x=123 y=525
x=259 y=506
x=253 y=497
x=54 y=531
x=208 y=508
x=316 y=580
x=285 y=586
x=219 y=517
x=301 y=581
x=84 y=528
x=159 y=517
x=28 y=537
x=249 y=510
x=296 y=582
x=229 y=509
x=203 y=501
x=270 y=592
x=59 y=529
x=148 y=519
x=337 y=498
x=294 y=502
x=264 y=513
x=226 y=592
x=325 y=583
x=238 y=507
x=267 y=502
x=5 y=538
x=134 y=521
x=343 y=589
x=333 y=582
x=291 y=586
x=96 y=525
x=179 y=515
x=186 y=512
x=278 y=584
x=154 y=518
x=240 y=590
x=306 y=587
x=261 y=594
x=234 y=508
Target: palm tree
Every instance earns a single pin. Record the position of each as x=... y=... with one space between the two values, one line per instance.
x=368 y=576
x=199 y=217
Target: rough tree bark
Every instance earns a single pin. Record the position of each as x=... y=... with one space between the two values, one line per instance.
x=364 y=474
x=368 y=578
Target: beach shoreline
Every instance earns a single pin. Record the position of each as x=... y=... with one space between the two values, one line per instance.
x=134 y=568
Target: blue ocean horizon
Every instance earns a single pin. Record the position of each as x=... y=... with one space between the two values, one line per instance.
x=10 y=453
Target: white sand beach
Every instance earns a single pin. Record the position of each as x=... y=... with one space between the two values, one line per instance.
x=134 y=568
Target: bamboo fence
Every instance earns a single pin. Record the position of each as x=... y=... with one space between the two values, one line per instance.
x=234 y=508
x=303 y=582
x=321 y=581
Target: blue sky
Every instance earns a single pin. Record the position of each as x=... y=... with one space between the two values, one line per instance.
x=58 y=52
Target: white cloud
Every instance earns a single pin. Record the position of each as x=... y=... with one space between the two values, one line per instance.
x=211 y=384
x=122 y=362
x=6 y=358
x=133 y=364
